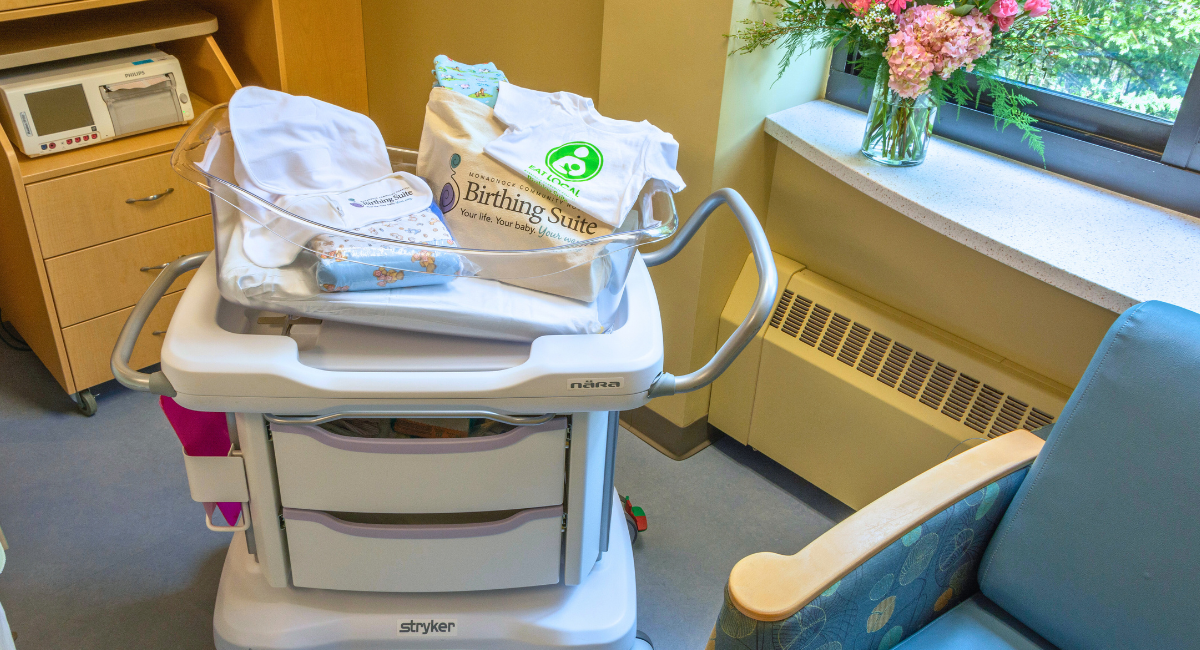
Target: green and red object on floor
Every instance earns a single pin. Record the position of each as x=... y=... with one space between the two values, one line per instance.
x=638 y=515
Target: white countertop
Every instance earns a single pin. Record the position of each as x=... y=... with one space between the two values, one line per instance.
x=1104 y=247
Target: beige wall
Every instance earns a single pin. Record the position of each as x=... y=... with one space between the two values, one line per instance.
x=845 y=236
x=664 y=62
x=744 y=161
x=668 y=62
x=544 y=44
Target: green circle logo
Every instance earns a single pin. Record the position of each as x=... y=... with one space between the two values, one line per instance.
x=575 y=161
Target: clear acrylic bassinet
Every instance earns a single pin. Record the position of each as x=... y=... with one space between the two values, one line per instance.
x=491 y=277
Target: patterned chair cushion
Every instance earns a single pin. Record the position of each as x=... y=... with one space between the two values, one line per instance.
x=893 y=594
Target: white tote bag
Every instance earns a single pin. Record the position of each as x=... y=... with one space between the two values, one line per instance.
x=489 y=206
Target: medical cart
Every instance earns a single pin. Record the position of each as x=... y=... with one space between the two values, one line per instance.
x=496 y=542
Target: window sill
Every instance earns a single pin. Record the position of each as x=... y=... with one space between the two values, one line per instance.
x=1104 y=247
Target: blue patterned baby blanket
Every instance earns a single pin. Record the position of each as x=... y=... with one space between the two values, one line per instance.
x=480 y=81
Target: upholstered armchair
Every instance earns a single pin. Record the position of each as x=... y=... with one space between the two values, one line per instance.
x=1089 y=540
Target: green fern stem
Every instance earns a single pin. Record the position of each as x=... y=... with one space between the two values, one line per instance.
x=898 y=127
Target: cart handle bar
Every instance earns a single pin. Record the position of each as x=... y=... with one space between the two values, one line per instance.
x=156 y=382
x=768 y=283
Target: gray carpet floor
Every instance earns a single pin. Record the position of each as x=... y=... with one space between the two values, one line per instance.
x=108 y=550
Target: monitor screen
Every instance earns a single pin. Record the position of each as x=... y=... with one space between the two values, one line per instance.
x=59 y=109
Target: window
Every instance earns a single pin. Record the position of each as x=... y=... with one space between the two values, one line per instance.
x=1138 y=57
x=1123 y=114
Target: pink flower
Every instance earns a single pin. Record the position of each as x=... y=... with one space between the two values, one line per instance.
x=930 y=40
x=858 y=7
x=1005 y=23
x=1037 y=7
x=897 y=6
x=1005 y=8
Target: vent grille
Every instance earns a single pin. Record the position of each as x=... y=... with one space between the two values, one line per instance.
x=918 y=370
x=815 y=324
x=978 y=406
x=895 y=365
x=834 y=335
x=784 y=301
x=874 y=354
x=938 y=384
x=854 y=344
x=1037 y=419
x=795 y=318
x=1009 y=418
x=984 y=407
x=960 y=397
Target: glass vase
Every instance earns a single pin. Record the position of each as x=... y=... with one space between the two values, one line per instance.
x=898 y=128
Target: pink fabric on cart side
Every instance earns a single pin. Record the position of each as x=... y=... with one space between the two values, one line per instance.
x=202 y=434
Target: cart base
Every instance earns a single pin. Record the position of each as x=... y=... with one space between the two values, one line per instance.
x=600 y=614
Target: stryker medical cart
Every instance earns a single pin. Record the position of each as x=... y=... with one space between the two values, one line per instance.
x=495 y=542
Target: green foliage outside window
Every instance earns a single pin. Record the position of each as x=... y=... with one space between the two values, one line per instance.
x=1136 y=54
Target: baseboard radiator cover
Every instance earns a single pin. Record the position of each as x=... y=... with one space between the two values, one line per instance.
x=959 y=396
x=858 y=397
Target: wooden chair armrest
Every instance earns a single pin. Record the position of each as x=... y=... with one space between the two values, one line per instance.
x=772 y=587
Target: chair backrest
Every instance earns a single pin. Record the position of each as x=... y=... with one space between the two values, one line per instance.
x=1101 y=545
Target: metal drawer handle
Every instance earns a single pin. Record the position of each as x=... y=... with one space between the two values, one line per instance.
x=152 y=197
x=155 y=268
x=158 y=333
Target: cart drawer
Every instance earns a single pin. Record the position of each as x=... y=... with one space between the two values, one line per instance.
x=319 y=470
x=518 y=550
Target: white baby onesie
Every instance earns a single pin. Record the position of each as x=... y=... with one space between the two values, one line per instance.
x=560 y=142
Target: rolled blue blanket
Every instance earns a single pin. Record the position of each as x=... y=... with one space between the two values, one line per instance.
x=355 y=264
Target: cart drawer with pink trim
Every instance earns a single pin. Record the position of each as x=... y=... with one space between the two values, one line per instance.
x=320 y=470
x=490 y=551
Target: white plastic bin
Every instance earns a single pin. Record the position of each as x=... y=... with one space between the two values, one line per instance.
x=216 y=479
x=320 y=470
x=520 y=550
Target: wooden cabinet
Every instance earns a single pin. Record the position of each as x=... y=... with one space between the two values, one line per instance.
x=302 y=47
x=98 y=206
x=18 y=9
x=105 y=278
x=89 y=344
x=73 y=245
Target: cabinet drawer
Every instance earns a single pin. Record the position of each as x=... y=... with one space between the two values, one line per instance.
x=102 y=279
x=319 y=470
x=89 y=208
x=519 y=550
x=90 y=344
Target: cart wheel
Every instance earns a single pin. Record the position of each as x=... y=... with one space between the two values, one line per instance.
x=633 y=531
x=85 y=401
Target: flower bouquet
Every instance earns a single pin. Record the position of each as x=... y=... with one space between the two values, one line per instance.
x=919 y=53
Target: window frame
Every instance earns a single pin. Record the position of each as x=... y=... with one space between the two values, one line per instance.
x=1139 y=156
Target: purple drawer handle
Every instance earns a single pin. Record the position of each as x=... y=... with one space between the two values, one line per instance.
x=419 y=445
x=423 y=531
